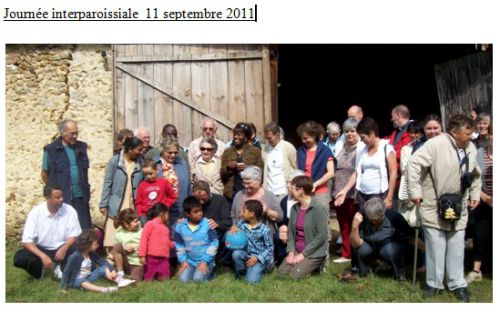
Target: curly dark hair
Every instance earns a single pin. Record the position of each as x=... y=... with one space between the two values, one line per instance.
x=125 y=217
x=85 y=239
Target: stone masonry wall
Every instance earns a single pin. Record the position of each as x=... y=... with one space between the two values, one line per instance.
x=44 y=85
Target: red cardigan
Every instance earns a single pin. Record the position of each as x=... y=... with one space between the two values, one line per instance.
x=155 y=239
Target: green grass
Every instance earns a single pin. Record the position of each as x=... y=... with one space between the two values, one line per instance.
x=20 y=287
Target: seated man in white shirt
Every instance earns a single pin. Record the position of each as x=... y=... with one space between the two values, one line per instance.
x=50 y=231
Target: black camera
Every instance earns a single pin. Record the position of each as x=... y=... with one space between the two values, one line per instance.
x=466 y=180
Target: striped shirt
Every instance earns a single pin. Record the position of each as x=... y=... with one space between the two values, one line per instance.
x=488 y=174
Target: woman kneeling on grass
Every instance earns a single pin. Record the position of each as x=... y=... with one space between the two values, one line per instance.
x=81 y=271
x=307 y=232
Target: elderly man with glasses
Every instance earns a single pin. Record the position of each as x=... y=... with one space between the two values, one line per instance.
x=208 y=129
x=65 y=162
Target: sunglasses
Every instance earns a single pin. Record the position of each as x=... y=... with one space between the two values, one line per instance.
x=206 y=149
x=207 y=129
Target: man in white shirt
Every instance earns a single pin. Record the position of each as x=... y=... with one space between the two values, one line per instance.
x=49 y=233
x=208 y=129
x=280 y=159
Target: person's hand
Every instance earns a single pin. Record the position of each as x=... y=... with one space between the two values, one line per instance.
x=388 y=202
x=231 y=164
x=339 y=198
x=290 y=259
x=130 y=248
x=47 y=262
x=183 y=266
x=299 y=258
x=212 y=224
x=473 y=203
x=180 y=220
x=489 y=200
x=416 y=201
x=104 y=211
x=61 y=253
x=252 y=261
x=314 y=187
x=283 y=233
x=358 y=218
x=202 y=267
x=240 y=166
x=233 y=229
x=142 y=260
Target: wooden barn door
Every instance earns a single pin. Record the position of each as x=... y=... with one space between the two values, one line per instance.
x=465 y=83
x=180 y=84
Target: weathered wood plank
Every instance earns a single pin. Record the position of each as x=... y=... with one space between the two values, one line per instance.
x=266 y=84
x=163 y=76
x=189 y=58
x=182 y=85
x=236 y=87
x=200 y=86
x=219 y=86
x=146 y=107
x=254 y=94
x=119 y=93
x=131 y=91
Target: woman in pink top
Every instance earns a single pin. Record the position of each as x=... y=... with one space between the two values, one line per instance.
x=155 y=244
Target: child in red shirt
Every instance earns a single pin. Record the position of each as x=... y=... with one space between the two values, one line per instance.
x=152 y=190
x=155 y=244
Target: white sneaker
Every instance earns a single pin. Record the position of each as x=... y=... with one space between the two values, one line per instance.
x=125 y=282
x=342 y=260
x=474 y=276
x=58 y=272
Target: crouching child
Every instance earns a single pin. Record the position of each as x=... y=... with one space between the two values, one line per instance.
x=196 y=244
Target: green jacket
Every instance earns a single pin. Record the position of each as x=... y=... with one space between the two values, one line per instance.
x=315 y=230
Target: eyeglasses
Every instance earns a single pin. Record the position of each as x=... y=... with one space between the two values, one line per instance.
x=207 y=129
x=206 y=149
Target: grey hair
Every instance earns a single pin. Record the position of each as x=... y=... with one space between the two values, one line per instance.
x=252 y=172
x=483 y=116
x=295 y=173
x=139 y=129
x=208 y=119
x=62 y=125
x=333 y=127
x=374 y=209
x=282 y=133
x=211 y=141
x=349 y=124
x=168 y=142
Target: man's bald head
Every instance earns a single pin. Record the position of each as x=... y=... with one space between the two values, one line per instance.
x=355 y=112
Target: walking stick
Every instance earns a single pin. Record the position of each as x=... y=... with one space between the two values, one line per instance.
x=415 y=258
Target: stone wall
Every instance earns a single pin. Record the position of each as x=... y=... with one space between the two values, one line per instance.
x=44 y=85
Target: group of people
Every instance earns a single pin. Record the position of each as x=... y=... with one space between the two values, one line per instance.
x=169 y=208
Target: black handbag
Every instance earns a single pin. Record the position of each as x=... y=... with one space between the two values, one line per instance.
x=450 y=206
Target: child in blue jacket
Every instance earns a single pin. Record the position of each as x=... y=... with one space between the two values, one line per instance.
x=196 y=244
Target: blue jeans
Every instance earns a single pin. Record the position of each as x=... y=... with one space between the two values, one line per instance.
x=192 y=274
x=391 y=253
x=254 y=273
x=94 y=276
